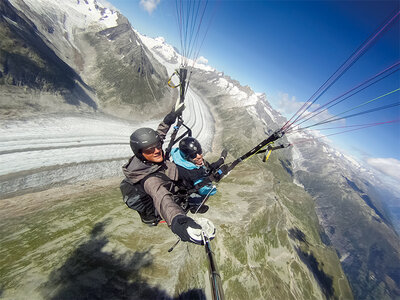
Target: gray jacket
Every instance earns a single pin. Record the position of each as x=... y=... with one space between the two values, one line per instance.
x=158 y=188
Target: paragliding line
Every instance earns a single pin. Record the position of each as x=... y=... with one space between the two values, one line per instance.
x=357 y=114
x=362 y=127
x=328 y=120
x=339 y=72
x=319 y=109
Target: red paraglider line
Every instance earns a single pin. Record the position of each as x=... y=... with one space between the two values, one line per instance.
x=361 y=126
x=320 y=109
x=339 y=72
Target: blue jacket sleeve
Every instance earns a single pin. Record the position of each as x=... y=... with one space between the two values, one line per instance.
x=206 y=189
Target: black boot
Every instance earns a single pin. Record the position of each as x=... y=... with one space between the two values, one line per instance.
x=150 y=220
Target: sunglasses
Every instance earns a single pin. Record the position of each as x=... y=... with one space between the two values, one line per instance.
x=194 y=155
x=151 y=150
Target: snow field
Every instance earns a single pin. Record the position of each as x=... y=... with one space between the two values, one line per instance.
x=65 y=149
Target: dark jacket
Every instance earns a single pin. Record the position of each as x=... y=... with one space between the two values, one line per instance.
x=159 y=188
x=193 y=176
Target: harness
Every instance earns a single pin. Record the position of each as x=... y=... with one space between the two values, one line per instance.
x=136 y=198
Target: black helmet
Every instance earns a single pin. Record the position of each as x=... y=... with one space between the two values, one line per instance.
x=143 y=138
x=190 y=147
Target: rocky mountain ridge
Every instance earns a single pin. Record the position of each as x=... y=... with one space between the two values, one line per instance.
x=101 y=61
x=354 y=216
x=276 y=244
x=335 y=180
x=270 y=229
x=27 y=62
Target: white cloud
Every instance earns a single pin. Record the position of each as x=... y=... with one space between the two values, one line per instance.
x=288 y=106
x=149 y=5
x=202 y=60
x=388 y=166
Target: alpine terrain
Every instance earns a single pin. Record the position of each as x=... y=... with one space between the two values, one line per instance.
x=76 y=80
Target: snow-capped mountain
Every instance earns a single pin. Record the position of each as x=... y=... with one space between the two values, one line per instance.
x=52 y=147
x=62 y=22
x=106 y=62
x=343 y=188
x=352 y=210
x=272 y=207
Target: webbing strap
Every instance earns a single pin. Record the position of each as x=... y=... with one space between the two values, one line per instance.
x=260 y=150
x=170 y=80
x=226 y=168
x=182 y=74
x=266 y=156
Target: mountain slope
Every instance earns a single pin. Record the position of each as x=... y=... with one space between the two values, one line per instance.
x=288 y=229
x=354 y=218
x=271 y=245
x=100 y=47
x=26 y=61
x=261 y=234
x=126 y=74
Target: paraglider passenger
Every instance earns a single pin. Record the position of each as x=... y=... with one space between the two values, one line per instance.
x=156 y=175
x=194 y=171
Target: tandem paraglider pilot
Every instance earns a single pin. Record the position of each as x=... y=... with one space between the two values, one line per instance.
x=149 y=186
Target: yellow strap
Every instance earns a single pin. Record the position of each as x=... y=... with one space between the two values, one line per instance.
x=259 y=150
x=269 y=153
x=170 y=80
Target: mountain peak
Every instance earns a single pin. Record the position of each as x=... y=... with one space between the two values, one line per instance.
x=80 y=14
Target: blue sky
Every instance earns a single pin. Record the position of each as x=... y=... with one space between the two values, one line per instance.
x=288 y=49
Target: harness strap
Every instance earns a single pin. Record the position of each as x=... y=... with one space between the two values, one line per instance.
x=170 y=80
x=182 y=74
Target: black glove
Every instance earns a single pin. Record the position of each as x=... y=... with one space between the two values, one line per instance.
x=224 y=153
x=175 y=112
x=220 y=173
x=170 y=118
x=187 y=229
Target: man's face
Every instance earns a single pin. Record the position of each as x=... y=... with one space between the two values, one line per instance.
x=154 y=153
x=198 y=160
